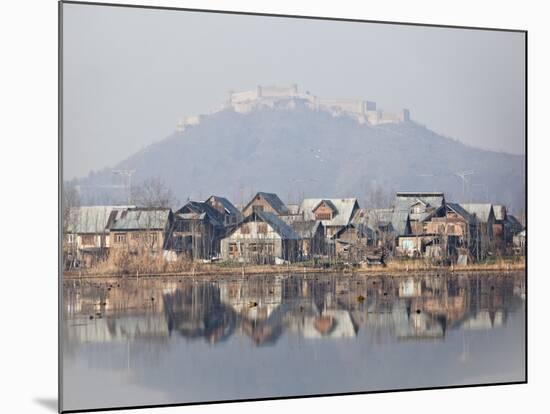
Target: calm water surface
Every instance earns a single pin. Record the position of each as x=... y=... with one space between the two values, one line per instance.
x=128 y=342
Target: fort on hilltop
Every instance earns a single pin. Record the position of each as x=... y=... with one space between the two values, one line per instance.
x=270 y=97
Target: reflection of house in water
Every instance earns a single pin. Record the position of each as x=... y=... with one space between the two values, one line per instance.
x=484 y=320
x=311 y=306
x=329 y=324
x=253 y=298
x=112 y=329
x=196 y=311
x=420 y=326
x=105 y=312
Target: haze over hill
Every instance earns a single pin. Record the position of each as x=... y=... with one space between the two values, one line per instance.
x=299 y=152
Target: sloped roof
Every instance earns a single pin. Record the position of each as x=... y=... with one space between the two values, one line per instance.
x=500 y=212
x=327 y=202
x=227 y=205
x=198 y=208
x=284 y=230
x=404 y=200
x=344 y=207
x=306 y=228
x=399 y=222
x=273 y=200
x=514 y=223
x=361 y=228
x=142 y=219
x=482 y=211
x=458 y=209
x=378 y=216
x=278 y=225
x=91 y=219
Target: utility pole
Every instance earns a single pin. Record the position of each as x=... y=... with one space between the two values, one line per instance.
x=463 y=175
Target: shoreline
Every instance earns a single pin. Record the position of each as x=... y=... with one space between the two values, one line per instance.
x=400 y=269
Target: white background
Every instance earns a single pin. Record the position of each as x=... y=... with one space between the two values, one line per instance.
x=28 y=163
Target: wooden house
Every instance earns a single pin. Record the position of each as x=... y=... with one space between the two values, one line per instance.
x=141 y=229
x=261 y=237
x=333 y=213
x=86 y=234
x=268 y=202
x=231 y=214
x=416 y=208
x=312 y=237
x=196 y=231
x=351 y=242
x=484 y=224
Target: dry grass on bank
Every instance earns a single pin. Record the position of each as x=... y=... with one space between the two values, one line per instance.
x=124 y=264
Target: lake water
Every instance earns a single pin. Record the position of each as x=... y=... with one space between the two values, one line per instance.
x=180 y=340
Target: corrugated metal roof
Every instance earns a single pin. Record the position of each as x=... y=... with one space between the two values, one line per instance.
x=142 y=219
x=344 y=206
x=283 y=229
x=404 y=200
x=91 y=219
x=482 y=211
x=305 y=229
x=500 y=212
x=199 y=207
x=275 y=202
x=227 y=205
x=399 y=222
x=458 y=209
x=514 y=223
x=328 y=203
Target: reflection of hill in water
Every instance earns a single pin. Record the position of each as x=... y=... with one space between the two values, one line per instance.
x=310 y=306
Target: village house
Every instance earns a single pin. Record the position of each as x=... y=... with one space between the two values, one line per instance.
x=231 y=214
x=312 y=237
x=140 y=229
x=453 y=234
x=504 y=228
x=483 y=233
x=519 y=242
x=419 y=206
x=196 y=231
x=261 y=237
x=86 y=234
x=351 y=242
x=333 y=213
x=269 y=202
x=380 y=222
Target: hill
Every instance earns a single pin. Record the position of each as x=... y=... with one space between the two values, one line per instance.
x=306 y=153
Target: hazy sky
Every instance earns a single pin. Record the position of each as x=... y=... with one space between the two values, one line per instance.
x=129 y=74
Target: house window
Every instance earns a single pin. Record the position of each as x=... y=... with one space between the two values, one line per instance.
x=120 y=238
x=257 y=208
x=323 y=216
x=88 y=239
x=153 y=237
x=262 y=228
x=245 y=229
x=233 y=250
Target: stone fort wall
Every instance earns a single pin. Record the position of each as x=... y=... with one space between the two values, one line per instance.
x=271 y=97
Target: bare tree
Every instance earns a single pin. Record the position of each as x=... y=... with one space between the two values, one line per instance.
x=153 y=192
x=377 y=197
x=71 y=200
